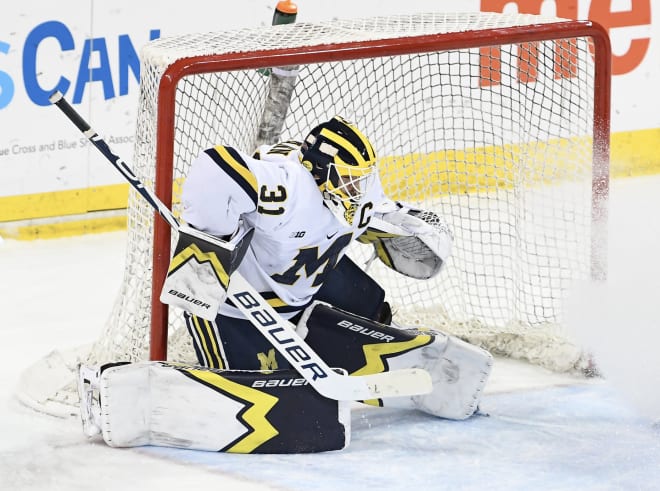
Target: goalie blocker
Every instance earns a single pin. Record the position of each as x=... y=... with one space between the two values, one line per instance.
x=198 y=276
x=172 y=405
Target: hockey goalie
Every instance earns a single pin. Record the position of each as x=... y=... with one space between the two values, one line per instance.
x=284 y=218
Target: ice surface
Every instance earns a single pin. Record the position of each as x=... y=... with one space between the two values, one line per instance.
x=536 y=430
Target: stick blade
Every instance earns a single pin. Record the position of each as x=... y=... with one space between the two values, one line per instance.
x=397 y=383
x=400 y=383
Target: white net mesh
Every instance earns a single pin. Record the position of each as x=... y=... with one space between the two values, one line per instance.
x=496 y=140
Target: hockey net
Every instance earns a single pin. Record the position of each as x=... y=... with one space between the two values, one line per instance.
x=499 y=123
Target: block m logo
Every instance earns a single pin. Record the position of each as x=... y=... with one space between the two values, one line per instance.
x=308 y=259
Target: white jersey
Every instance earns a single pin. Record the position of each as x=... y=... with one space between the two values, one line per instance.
x=297 y=240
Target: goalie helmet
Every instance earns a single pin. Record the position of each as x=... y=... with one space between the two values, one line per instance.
x=343 y=163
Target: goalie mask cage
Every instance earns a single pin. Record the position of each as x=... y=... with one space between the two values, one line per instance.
x=497 y=122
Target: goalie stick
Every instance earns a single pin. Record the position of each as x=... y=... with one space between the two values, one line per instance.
x=280 y=332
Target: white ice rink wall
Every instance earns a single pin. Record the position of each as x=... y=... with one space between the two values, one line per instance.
x=52 y=183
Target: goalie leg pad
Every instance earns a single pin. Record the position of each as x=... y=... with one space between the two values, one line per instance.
x=459 y=370
x=191 y=407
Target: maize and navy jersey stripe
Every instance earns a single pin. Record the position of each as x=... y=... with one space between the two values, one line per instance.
x=234 y=166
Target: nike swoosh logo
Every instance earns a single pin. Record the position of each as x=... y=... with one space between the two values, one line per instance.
x=330 y=236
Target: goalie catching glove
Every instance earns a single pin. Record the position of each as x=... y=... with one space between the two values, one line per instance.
x=411 y=241
x=198 y=276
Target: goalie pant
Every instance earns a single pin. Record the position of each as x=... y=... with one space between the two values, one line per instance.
x=360 y=346
x=192 y=407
